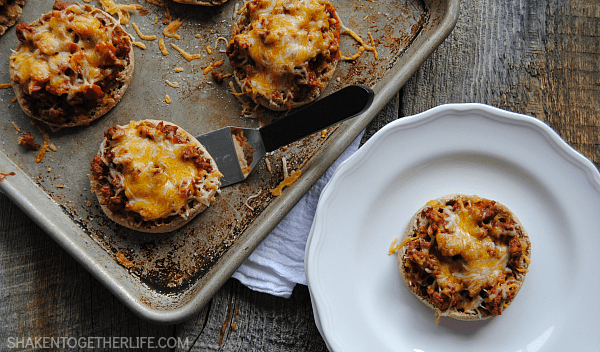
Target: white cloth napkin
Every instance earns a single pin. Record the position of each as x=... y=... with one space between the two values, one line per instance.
x=277 y=264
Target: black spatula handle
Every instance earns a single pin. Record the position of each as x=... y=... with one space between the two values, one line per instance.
x=319 y=115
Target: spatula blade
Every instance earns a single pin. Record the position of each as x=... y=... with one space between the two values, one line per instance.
x=219 y=145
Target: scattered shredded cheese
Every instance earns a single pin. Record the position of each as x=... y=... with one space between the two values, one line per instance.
x=16 y=127
x=168 y=99
x=213 y=65
x=217 y=44
x=162 y=47
x=139 y=33
x=45 y=144
x=138 y=44
x=178 y=69
x=155 y=20
x=288 y=181
x=363 y=47
x=121 y=10
x=172 y=84
x=250 y=198
x=171 y=28
x=268 y=165
x=4 y=85
x=186 y=55
x=208 y=48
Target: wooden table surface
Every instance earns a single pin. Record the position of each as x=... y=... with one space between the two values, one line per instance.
x=536 y=57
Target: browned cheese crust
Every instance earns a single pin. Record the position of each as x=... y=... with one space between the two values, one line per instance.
x=274 y=72
x=146 y=188
x=472 y=276
x=71 y=83
x=10 y=11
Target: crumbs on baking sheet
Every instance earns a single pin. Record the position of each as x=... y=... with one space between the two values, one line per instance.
x=122 y=259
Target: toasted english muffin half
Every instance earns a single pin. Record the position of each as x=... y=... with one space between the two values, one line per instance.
x=284 y=55
x=153 y=176
x=10 y=11
x=464 y=256
x=72 y=65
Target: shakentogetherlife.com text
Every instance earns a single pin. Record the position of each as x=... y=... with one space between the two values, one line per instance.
x=97 y=342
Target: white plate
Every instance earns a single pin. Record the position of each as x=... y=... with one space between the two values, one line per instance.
x=359 y=299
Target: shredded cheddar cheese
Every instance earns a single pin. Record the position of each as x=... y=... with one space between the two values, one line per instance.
x=140 y=45
x=162 y=46
x=396 y=246
x=5 y=85
x=288 y=181
x=186 y=55
x=213 y=65
x=172 y=84
x=219 y=39
x=16 y=127
x=168 y=99
x=122 y=11
x=250 y=198
x=45 y=144
x=363 y=47
x=171 y=29
x=139 y=33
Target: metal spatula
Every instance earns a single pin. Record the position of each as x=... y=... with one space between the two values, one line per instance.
x=317 y=116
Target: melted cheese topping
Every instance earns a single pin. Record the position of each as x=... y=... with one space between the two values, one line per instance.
x=157 y=180
x=66 y=54
x=283 y=37
x=484 y=262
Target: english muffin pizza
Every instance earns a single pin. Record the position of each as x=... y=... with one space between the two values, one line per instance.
x=152 y=176
x=72 y=65
x=465 y=257
x=284 y=53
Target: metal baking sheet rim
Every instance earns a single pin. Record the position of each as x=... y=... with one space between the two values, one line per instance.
x=47 y=214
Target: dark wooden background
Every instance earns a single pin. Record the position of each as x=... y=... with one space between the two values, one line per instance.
x=537 y=57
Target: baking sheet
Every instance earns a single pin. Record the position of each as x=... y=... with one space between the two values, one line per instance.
x=174 y=275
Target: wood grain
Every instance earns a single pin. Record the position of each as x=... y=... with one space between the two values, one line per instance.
x=539 y=58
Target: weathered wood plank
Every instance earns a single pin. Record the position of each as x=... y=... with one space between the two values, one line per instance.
x=539 y=58
x=44 y=292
